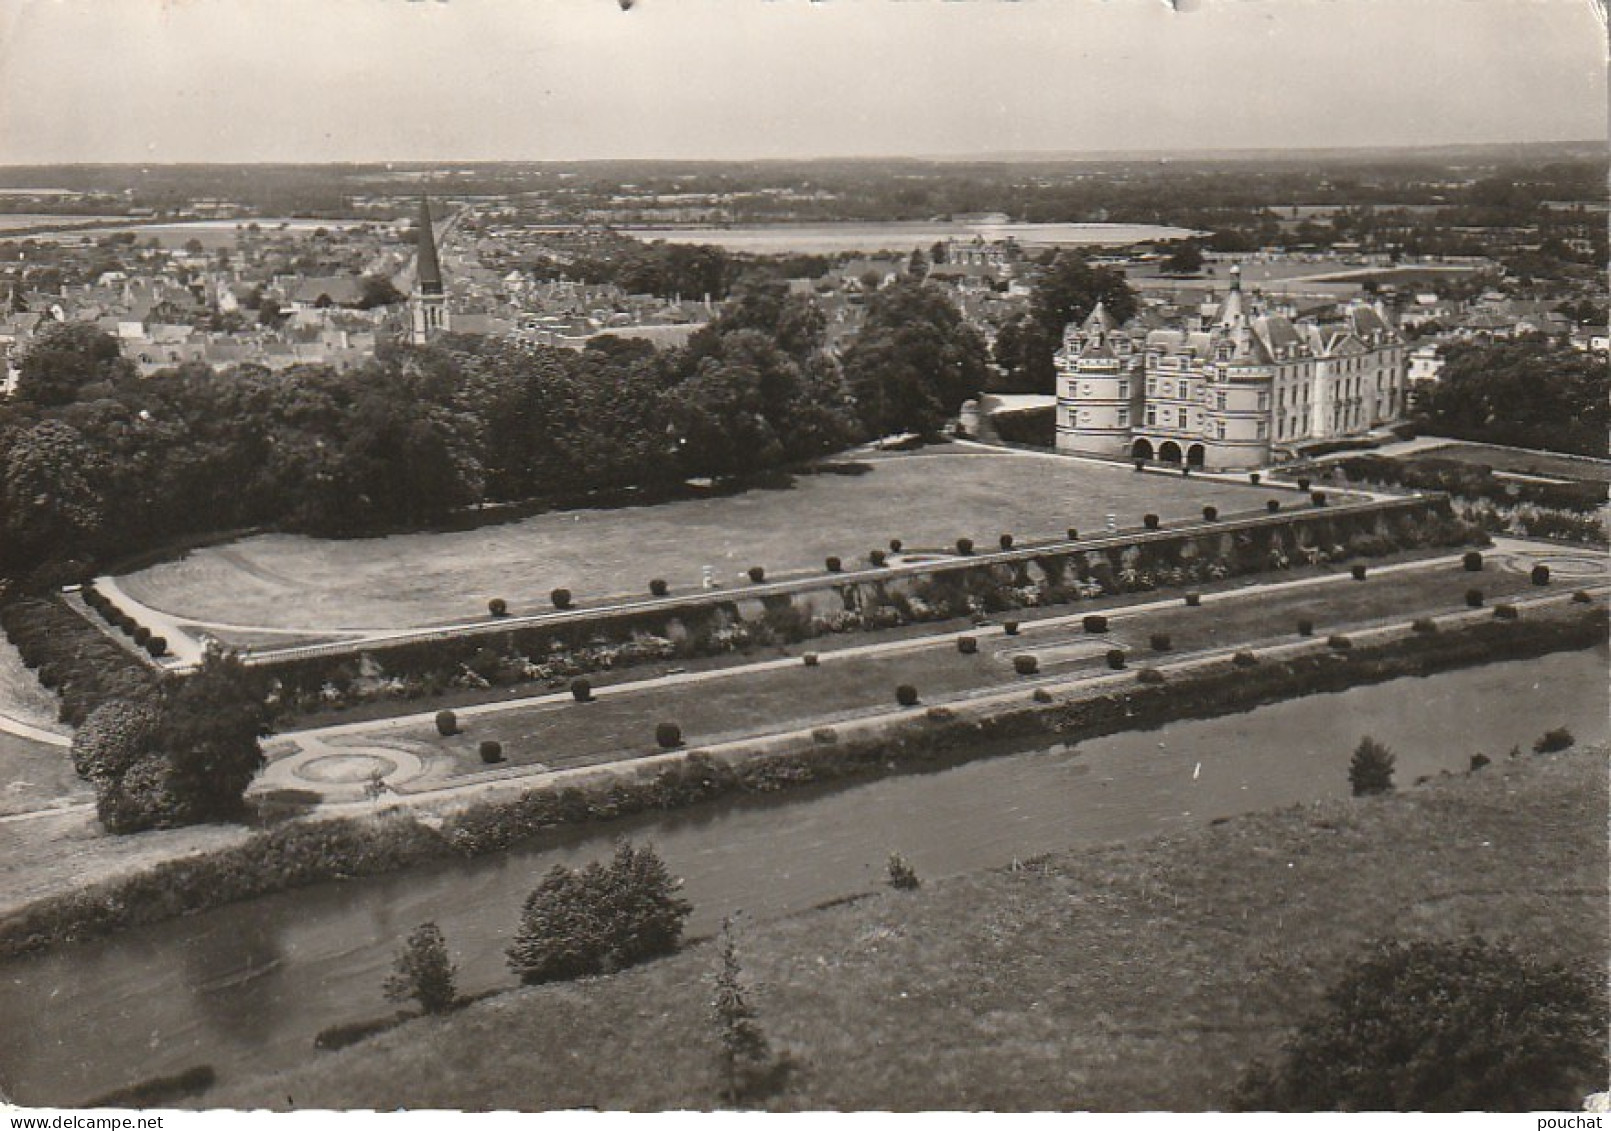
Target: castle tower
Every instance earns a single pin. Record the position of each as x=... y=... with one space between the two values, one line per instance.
x=1098 y=379
x=427 y=306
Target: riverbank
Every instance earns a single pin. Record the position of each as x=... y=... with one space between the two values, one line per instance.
x=237 y=866
x=1128 y=977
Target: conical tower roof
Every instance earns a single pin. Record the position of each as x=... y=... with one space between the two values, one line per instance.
x=428 y=269
x=1099 y=319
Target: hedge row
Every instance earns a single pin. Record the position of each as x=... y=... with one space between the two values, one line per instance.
x=310 y=851
x=72 y=657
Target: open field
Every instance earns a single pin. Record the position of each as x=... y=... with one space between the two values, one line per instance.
x=729 y=703
x=1544 y=464
x=1128 y=977
x=928 y=499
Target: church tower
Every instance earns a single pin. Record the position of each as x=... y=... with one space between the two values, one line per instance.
x=428 y=304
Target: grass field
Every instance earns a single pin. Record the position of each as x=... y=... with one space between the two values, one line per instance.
x=1523 y=462
x=928 y=499
x=732 y=704
x=1131 y=977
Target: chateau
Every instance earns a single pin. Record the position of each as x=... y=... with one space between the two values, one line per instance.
x=1226 y=389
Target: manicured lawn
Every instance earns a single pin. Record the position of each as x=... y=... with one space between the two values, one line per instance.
x=928 y=499
x=735 y=703
x=34 y=775
x=1526 y=463
x=1130 y=977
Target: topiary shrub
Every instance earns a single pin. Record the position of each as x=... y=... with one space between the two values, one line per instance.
x=561 y=598
x=1073 y=533
x=1370 y=771
x=902 y=876
x=895 y=545
x=1554 y=741
x=1041 y=695
x=582 y=690
x=1010 y=627
x=834 y=564
x=1025 y=665
x=447 y=724
x=1357 y=571
x=1540 y=574
x=1303 y=483
x=1151 y=676
x=498 y=607
x=1253 y=478
x=668 y=736
x=964 y=546
x=1005 y=541
x=1141 y=465
x=658 y=587
x=1160 y=641
x=906 y=695
x=1471 y=562
x=1447 y=1026
x=810 y=659
x=1479 y=760
x=1506 y=612
x=1340 y=642
x=1193 y=599
x=491 y=751
x=967 y=645
x=1474 y=598
x=876 y=557
x=1210 y=513
x=1245 y=660
x=1582 y=597
x=1272 y=505
x=1115 y=658
x=157 y=647
x=141 y=634
x=1318 y=498
x=1306 y=627
x=757 y=574
x=1150 y=521
x=1424 y=625
x=1094 y=623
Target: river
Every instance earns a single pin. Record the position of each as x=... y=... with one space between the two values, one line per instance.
x=904 y=236
x=245 y=987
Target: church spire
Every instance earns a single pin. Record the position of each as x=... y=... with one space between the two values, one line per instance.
x=428 y=269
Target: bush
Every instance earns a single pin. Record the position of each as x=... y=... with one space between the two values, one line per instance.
x=1245 y=660
x=834 y=564
x=1160 y=641
x=1094 y=622
x=1508 y=1032
x=964 y=546
x=491 y=751
x=600 y=918
x=561 y=598
x=422 y=971
x=1193 y=599
x=1318 y=498
x=582 y=690
x=1010 y=627
x=876 y=557
x=1073 y=533
x=967 y=645
x=1540 y=574
x=1582 y=597
x=1306 y=627
x=902 y=876
x=1041 y=695
x=1358 y=571
x=1370 y=771
x=1424 y=625
x=895 y=545
x=810 y=659
x=1471 y=561
x=159 y=1091
x=1479 y=760
x=447 y=724
x=1474 y=598
x=757 y=574
x=1554 y=741
x=1150 y=521
x=1253 y=478
x=1210 y=513
x=1340 y=642
x=658 y=587
x=1506 y=612
x=1272 y=505
x=1005 y=541
x=1025 y=664
x=1141 y=465
x=1303 y=483
x=157 y=647
x=498 y=607
x=1115 y=657
x=827 y=736
x=906 y=695
x=1151 y=676
x=668 y=736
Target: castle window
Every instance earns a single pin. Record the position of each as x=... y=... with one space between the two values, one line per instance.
x=1152 y=417
x=1124 y=418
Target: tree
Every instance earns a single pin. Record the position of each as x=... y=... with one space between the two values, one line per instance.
x=211 y=724
x=1069 y=289
x=744 y=1045
x=1371 y=769
x=1185 y=259
x=115 y=736
x=423 y=972
x=600 y=918
x=914 y=361
x=1529 y=392
x=379 y=291
x=65 y=358
x=1443 y=1026
x=51 y=499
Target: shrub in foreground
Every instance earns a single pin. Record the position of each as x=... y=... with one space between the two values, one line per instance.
x=1115 y=658
x=757 y=574
x=159 y=1091
x=1025 y=664
x=658 y=587
x=491 y=751
x=833 y=564
x=1005 y=541
x=422 y=972
x=1306 y=627
x=498 y=607
x=599 y=918
x=1582 y=597
x=1073 y=534
x=1340 y=642
x=1245 y=660
x=745 y=1050
x=1010 y=627
x=895 y=545
x=1554 y=741
x=668 y=736
x=1210 y=513
x=1471 y=561
x=906 y=695
x=1094 y=623
x=902 y=876
x=1160 y=641
x=582 y=690
x=1370 y=771
x=1357 y=571
x=967 y=645
x=1443 y=1026
x=1424 y=625
x=1193 y=600
x=157 y=647
x=1151 y=676
x=1540 y=574
x=447 y=724
x=1506 y=612
x=1150 y=521
x=561 y=598
x=1272 y=505
x=964 y=546
x=1474 y=598
x=877 y=557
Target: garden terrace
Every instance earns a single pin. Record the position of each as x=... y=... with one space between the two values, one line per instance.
x=928 y=499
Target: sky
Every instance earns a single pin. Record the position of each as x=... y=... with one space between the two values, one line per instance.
x=414 y=80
